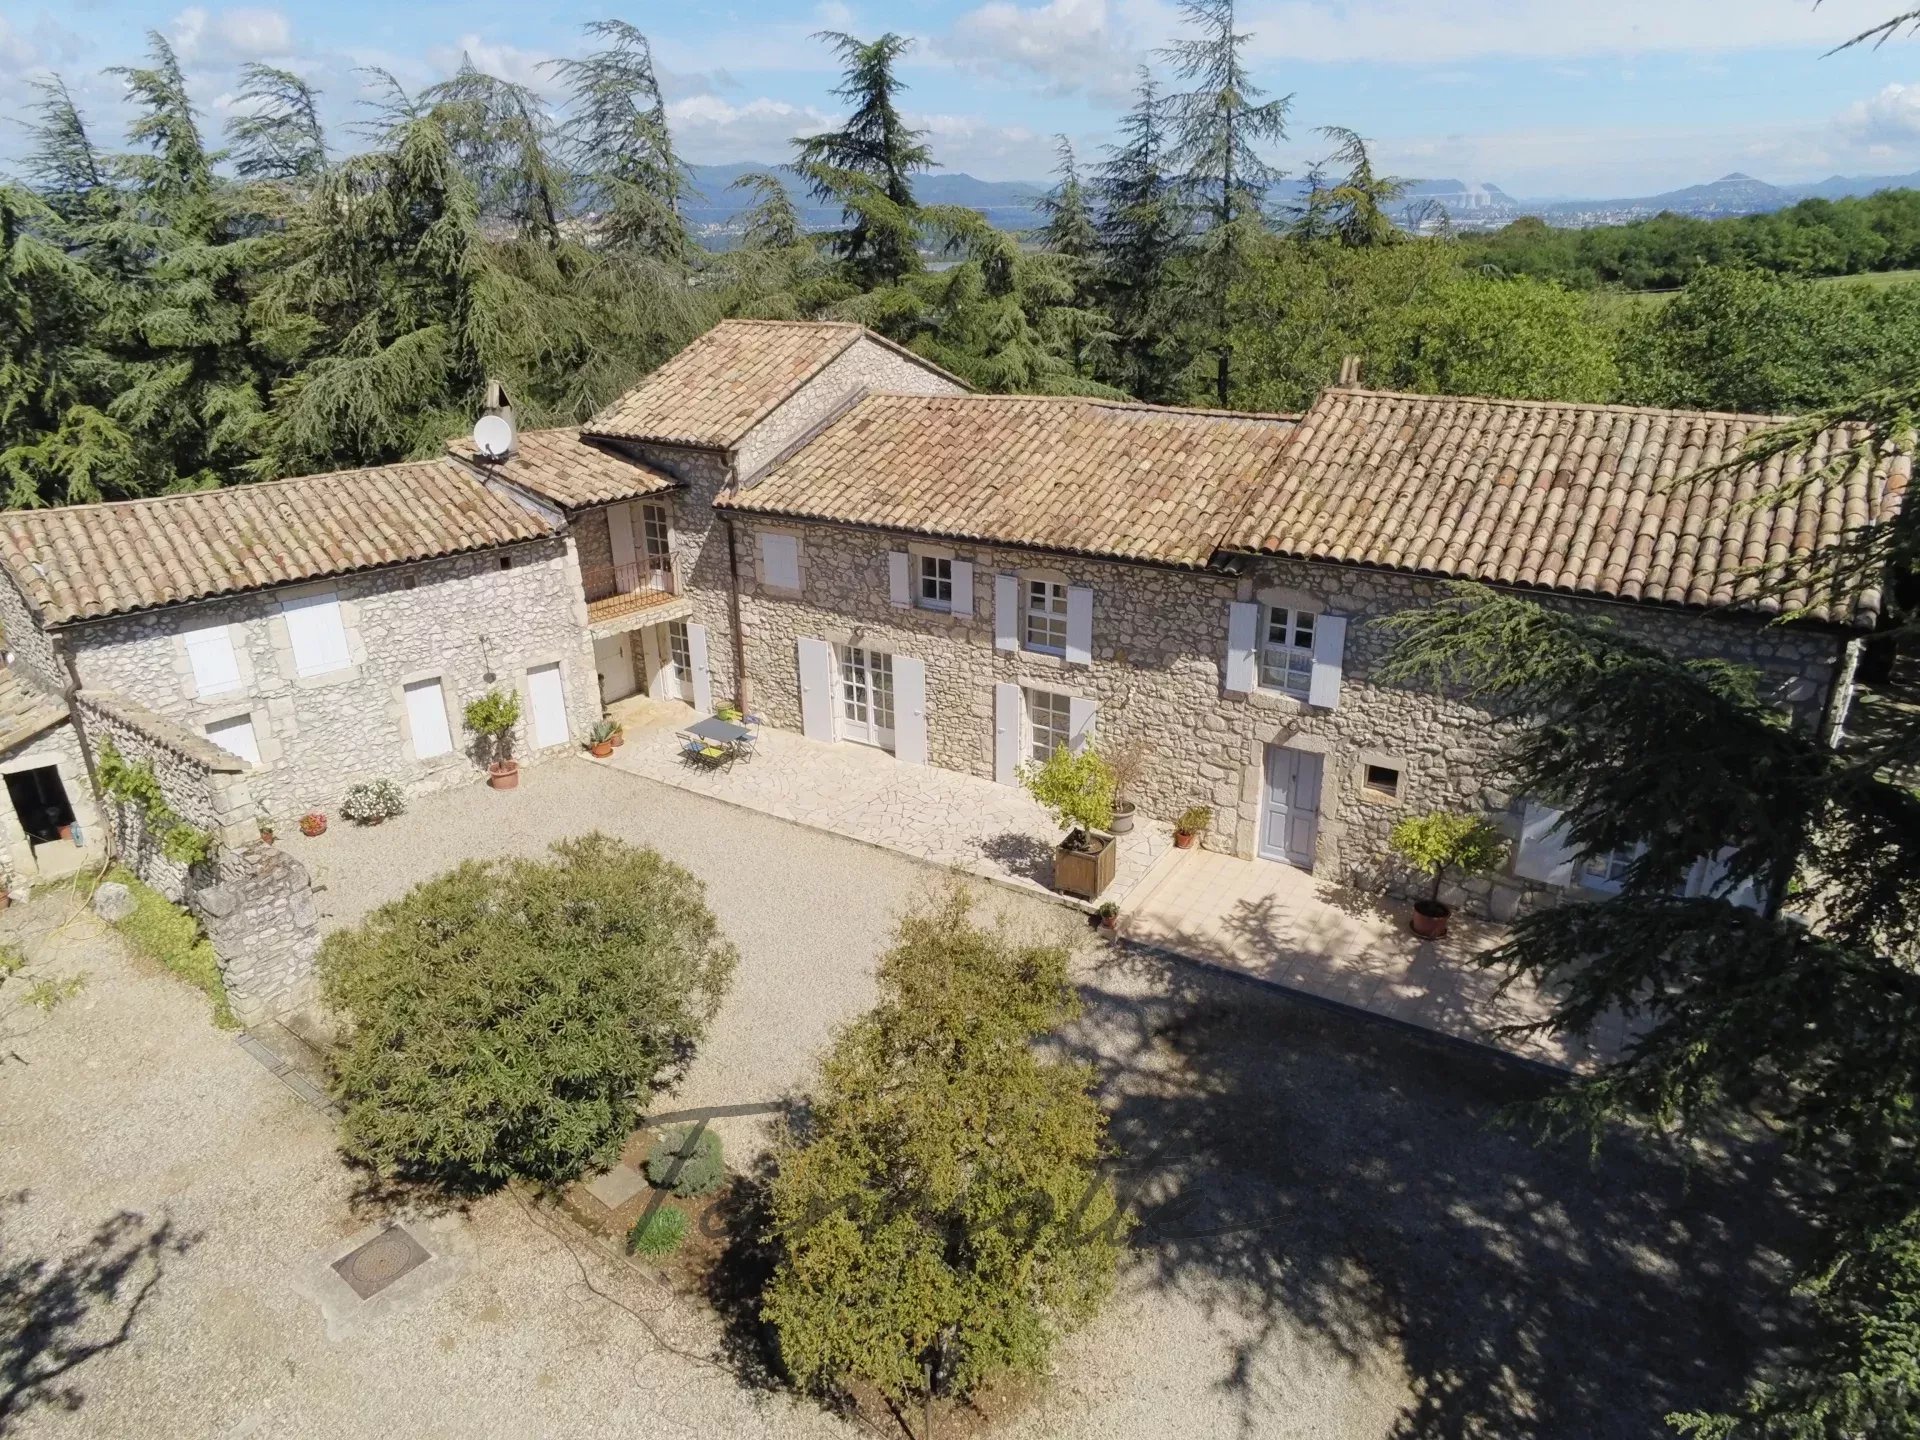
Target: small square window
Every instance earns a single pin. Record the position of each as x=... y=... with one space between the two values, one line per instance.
x=1381 y=780
x=936 y=583
x=506 y=562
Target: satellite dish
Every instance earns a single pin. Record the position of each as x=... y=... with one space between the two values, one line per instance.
x=493 y=437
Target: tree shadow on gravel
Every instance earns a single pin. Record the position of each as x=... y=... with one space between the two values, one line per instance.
x=57 y=1312
x=1323 y=1174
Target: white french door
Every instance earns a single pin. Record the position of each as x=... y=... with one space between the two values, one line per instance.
x=656 y=543
x=866 y=695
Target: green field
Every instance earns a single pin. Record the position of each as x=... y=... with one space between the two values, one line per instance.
x=1617 y=304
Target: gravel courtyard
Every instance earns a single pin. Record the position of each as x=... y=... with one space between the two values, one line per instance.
x=1337 y=1239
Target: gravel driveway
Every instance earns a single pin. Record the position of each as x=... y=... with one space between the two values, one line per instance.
x=1338 y=1243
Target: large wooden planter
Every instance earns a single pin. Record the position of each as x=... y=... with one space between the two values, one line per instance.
x=1084 y=872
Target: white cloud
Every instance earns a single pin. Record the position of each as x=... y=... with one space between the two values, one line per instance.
x=495 y=58
x=246 y=32
x=17 y=53
x=1422 y=32
x=1091 y=45
x=710 y=129
x=1889 y=118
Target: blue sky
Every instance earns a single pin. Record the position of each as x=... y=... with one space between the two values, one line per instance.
x=1542 y=97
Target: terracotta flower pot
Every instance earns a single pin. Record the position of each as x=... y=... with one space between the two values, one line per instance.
x=1183 y=839
x=313 y=825
x=266 y=837
x=600 y=749
x=619 y=738
x=504 y=775
x=1430 y=918
x=66 y=831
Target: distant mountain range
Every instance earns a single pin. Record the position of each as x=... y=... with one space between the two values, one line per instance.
x=715 y=209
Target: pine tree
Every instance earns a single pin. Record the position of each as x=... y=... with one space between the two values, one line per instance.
x=1141 y=226
x=617 y=141
x=1810 y=1020
x=1080 y=325
x=1217 y=129
x=278 y=135
x=1353 y=209
x=867 y=165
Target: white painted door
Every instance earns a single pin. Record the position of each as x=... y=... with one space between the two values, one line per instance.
x=1290 y=809
x=656 y=543
x=626 y=569
x=613 y=658
x=549 y=704
x=866 y=695
x=427 y=720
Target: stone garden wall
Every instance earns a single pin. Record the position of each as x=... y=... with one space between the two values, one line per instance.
x=1159 y=648
x=256 y=905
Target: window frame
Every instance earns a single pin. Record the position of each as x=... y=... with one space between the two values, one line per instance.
x=1298 y=658
x=924 y=559
x=1378 y=791
x=1030 y=710
x=1049 y=617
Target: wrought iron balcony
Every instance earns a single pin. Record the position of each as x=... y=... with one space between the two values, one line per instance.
x=623 y=589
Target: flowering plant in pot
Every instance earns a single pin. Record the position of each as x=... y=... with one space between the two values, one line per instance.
x=1193 y=822
x=619 y=735
x=313 y=823
x=1077 y=786
x=371 y=801
x=492 y=718
x=600 y=740
x=1437 y=844
x=1106 y=916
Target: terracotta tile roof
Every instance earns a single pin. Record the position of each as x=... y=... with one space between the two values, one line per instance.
x=1565 y=497
x=1088 y=476
x=25 y=709
x=79 y=562
x=723 y=384
x=571 y=471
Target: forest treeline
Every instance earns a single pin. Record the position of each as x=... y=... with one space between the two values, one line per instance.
x=188 y=309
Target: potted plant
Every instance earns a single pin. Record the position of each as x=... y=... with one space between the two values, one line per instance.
x=266 y=835
x=313 y=823
x=1127 y=764
x=1438 y=843
x=1106 y=916
x=600 y=740
x=492 y=718
x=619 y=736
x=371 y=801
x=1193 y=822
x=1078 y=788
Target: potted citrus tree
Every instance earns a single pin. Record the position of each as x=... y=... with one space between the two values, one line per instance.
x=1077 y=786
x=1439 y=844
x=492 y=718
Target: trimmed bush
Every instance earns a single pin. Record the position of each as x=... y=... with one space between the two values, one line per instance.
x=658 y=1232
x=511 y=1018
x=371 y=800
x=696 y=1154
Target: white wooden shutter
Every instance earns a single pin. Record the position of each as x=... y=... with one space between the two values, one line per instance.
x=963 y=587
x=1329 y=653
x=549 y=696
x=780 y=562
x=210 y=651
x=427 y=719
x=1006 y=733
x=317 y=634
x=620 y=535
x=1710 y=873
x=702 y=671
x=899 y=588
x=1243 y=635
x=1080 y=713
x=909 y=710
x=1544 y=853
x=1079 y=625
x=816 y=689
x=236 y=737
x=1006 y=612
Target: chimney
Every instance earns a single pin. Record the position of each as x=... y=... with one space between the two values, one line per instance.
x=1349 y=371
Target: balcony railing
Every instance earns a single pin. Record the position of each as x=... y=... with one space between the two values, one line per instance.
x=617 y=589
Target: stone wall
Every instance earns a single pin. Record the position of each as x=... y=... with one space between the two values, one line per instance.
x=204 y=785
x=32 y=647
x=256 y=905
x=454 y=620
x=1159 y=649
x=864 y=365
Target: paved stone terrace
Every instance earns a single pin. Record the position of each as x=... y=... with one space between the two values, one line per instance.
x=993 y=831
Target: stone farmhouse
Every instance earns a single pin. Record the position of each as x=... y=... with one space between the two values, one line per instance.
x=818 y=524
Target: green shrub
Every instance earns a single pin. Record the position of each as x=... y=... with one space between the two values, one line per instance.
x=1438 y=842
x=659 y=1232
x=492 y=717
x=173 y=940
x=695 y=1153
x=369 y=800
x=512 y=1017
x=1076 y=785
x=946 y=1201
x=1194 y=819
